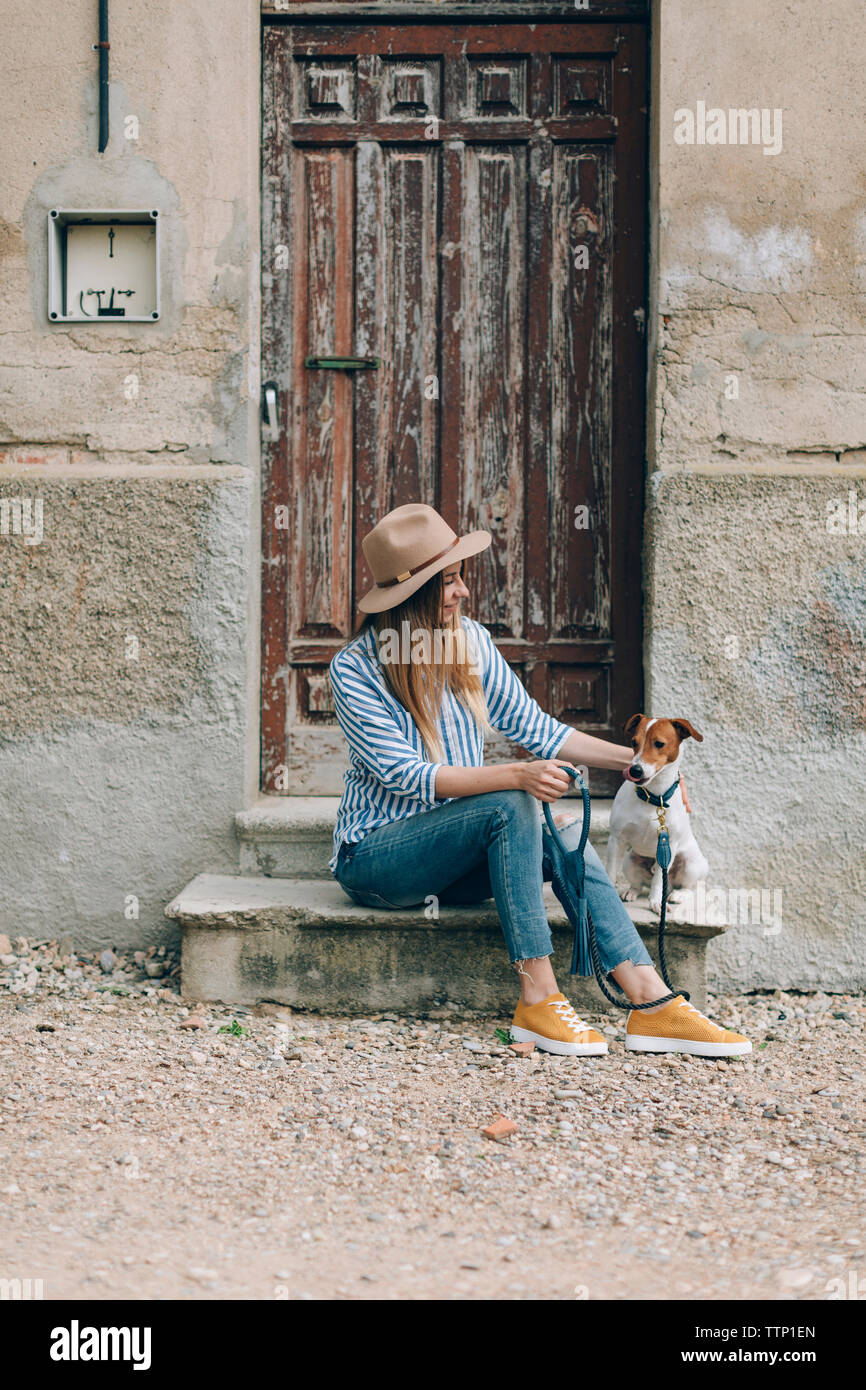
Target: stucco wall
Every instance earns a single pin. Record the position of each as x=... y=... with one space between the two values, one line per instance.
x=755 y=609
x=128 y=698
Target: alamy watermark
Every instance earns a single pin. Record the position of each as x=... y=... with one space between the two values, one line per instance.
x=850 y=1286
x=77 y=1343
x=846 y=517
x=417 y=645
x=736 y=126
x=21 y=1290
x=22 y=516
x=720 y=907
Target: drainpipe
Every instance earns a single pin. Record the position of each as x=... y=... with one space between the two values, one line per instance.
x=103 y=47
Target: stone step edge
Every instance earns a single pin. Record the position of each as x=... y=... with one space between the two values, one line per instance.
x=235 y=901
x=314 y=817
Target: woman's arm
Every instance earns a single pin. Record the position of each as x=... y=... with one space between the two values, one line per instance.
x=578 y=749
x=471 y=781
x=595 y=752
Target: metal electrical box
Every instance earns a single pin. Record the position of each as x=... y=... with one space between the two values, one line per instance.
x=103 y=265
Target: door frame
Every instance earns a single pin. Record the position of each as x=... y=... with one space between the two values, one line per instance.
x=629 y=378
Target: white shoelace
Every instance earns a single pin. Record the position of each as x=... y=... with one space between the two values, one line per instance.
x=686 y=1005
x=566 y=1012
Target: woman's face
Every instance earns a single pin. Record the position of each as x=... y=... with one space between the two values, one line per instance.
x=454 y=589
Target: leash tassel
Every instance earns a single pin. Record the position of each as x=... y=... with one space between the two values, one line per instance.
x=663 y=850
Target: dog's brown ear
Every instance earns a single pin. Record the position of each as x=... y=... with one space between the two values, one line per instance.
x=686 y=730
x=631 y=724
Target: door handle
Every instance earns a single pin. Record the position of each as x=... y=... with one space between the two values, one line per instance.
x=270 y=409
x=345 y=364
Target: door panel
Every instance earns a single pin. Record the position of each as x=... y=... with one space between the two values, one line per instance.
x=465 y=202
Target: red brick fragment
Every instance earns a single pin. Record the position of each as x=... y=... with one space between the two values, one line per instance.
x=500 y=1129
x=28 y=456
x=522 y=1049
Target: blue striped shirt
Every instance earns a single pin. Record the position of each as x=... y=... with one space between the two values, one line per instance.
x=389 y=776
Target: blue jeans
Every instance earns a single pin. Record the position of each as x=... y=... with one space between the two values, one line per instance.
x=477 y=847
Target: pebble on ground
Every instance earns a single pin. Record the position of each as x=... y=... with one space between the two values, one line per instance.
x=153 y=1146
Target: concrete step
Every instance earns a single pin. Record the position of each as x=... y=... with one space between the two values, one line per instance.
x=292 y=836
x=302 y=942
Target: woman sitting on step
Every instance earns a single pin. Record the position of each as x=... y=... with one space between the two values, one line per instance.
x=414 y=692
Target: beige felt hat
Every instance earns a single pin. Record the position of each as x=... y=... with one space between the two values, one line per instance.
x=406 y=548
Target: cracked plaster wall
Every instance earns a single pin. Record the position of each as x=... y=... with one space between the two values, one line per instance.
x=754 y=608
x=128 y=699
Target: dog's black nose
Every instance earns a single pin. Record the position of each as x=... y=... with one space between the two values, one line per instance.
x=635 y=771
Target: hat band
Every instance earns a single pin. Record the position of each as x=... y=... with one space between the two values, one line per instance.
x=407 y=574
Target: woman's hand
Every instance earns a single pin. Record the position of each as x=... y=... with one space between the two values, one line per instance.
x=543 y=778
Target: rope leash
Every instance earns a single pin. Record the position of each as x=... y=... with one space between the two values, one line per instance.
x=578 y=891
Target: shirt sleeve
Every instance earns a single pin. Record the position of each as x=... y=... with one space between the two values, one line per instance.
x=512 y=709
x=373 y=734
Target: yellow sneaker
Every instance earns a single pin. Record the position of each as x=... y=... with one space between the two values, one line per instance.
x=680 y=1027
x=554 y=1027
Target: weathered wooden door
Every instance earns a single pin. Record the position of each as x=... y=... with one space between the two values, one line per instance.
x=465 y=203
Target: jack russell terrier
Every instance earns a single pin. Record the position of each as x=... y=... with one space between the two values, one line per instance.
x=653 y=780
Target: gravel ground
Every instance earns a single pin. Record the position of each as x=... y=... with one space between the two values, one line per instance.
x=146 y=1152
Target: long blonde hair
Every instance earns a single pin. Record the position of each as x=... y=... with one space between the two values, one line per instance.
x=419 y=684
